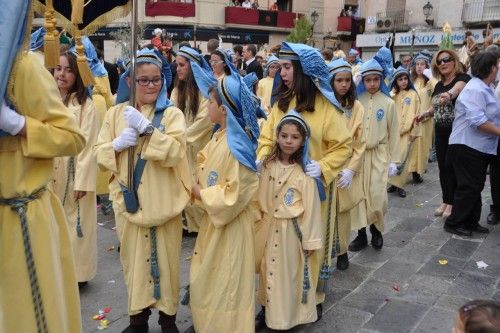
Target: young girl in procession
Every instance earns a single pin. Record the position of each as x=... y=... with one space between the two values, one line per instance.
x=190 y=94
x=306 y=88
x=75 y=177
x=265 y=87
x=407 y=105
x=291 y=207
x=352 y=206
x=381 y=153
x=222 y=276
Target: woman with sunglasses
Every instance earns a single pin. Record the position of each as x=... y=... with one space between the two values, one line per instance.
x=446 y=67
x=218 y=64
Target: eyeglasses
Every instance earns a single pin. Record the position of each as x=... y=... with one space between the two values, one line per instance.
x=444 y=60
x=215 y=62
x=145 y=82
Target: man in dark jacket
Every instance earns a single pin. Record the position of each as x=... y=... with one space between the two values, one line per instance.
x=251 y=65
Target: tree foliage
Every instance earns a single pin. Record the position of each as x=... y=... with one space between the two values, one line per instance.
x=301 y=32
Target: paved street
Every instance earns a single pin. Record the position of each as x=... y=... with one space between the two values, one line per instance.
x=414 y=284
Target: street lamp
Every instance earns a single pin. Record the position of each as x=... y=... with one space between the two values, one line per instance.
x=427 y=8
x=314 y=19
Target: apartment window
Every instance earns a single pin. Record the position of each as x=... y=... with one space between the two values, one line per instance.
x=396 y=5
x=284 y=5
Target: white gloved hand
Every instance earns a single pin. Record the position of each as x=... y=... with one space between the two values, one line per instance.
x=11 y=121
x=393 y=169
x=127 y=139
x=427 y=73
x=136 y=119
x=357 y=78
x=258 y=163
x=345 y=180
x=313 y=169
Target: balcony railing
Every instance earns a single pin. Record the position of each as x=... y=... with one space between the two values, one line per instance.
x=348 y=27
x=392 y=21
x=257 y=17
x=170 y=8
x=481 y=11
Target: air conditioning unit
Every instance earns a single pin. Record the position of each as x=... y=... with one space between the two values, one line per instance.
x=385 y=24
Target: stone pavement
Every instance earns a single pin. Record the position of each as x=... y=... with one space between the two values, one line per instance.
x=402 y=288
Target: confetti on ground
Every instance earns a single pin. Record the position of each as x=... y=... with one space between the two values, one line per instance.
x=101 y=224
x=103 y=322
x=396 y=288
x=111 y=248
x=111 y=281
x=114 y=228
x=481 y=264
x=443 y=262
x=107 y=310
x=386 y=300
x=99 y=317
x=189 y=258
x=420 y=205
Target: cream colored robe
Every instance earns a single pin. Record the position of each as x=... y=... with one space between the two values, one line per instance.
x=163 y=193
x=381 y=128
x=407 y=106
x=222 y=280
x=199 y=131
x=85 y=168
x=264 y=92
x=26 y=166
x=285 y=192
x=352 y=206
x=330 y=145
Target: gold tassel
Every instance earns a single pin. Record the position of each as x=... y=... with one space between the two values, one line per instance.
x=50 y=41
x=81 y=62
x=77 y=11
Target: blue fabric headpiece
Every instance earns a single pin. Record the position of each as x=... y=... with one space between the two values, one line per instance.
x=37 y=36
x=202 y=72
x=353 y=52
x=399 y=72
x=338 y=66
x=272 y=59
x=313 y=66
x=372 y=66
x=384 y=58
x=250 y=79
x=241 y=119
x=144 y=56
x=424 y=55
x=95 y=64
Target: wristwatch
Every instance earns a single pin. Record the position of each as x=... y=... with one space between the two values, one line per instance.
x=148 y=131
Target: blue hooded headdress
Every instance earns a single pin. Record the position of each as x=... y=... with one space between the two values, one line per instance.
x=338 y=66
x=313 y=66
x=241 y=119
x=93 y=61
x=144 y=56
x=36 y=41
x=272 y=59
x=424 y=55
x=354 y=52
x=202 y=72
x=370 y=67
x=384 y=58
x=250 y=79
x=399 y=72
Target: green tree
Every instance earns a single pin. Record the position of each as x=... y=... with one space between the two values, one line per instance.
x=301 y=32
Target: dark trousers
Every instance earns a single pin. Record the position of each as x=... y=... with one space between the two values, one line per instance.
x=495 y=182
x=470 y=169
x=446 y=174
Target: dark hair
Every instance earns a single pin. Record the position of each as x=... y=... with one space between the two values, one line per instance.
x=81 y=92
x=482 y=63
x=327 y=54
x=222 y=56
x=212 y=91
x=481 y=316
x=184 y=43
x=396 y=87
x=188 y=91
x=303 y=89
x=413 y=72
x=252 y=48
x=348 y=99
x=212 y=45
x=238 y=49
x=276 y=152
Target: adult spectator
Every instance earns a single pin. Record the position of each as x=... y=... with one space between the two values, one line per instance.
x=327 y=55
x=212 y=45
x=112 y=70
x=246 y=4
x=251 y=65
x=406 y=61
x=238 y=57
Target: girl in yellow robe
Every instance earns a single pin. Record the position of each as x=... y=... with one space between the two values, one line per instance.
x=222 y=280
x=151 y=235
x=407 y=105
x=190 y=94
x=75 y=177
x=265 y=86
x=291 y=207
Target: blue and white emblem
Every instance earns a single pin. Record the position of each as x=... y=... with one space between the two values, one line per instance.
x=161 y=128
x=407 y=101
x=288 y=199
x=380 y=114
x=212 y=178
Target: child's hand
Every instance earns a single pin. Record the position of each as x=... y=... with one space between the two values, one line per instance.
x=195 y=192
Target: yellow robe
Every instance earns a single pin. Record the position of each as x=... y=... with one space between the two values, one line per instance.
x=264 y=92
x=222 y=279
x=417 y=162
x=407 y=106
x=26 y=166
x=330 y=146
x=199 y=130
x=381 y=128
x=285 y=192
x=85 y=170
x=352 y=206
x=163 y=193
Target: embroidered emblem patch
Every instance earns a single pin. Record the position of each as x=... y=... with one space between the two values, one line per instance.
x=161 y=128
x=407 y=101
x=288 y=199
x=212 y=178
x=380 y=114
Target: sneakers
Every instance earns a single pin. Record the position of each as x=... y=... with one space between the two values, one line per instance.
x=342 y=262
x=360 y=242
x=377 y=240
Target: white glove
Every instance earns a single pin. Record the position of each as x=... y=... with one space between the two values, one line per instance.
x=345 y=180
x=427 y=73
x=313 y=169
x=357 y=78
x=136 y=119
x=11 y=121
x=393 y=169
x=127 y=139
x=258 y=163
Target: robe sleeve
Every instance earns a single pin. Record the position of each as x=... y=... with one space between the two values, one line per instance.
x=393 y=133
x=52 y=131
x=201 y=125
x=226 y=200
x=86 y=166
x=359 y=139
x=169 y=147
x=267 y=134
x=311 y=226
x=106 y=155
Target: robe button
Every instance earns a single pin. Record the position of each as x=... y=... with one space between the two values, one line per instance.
x=271 y=273
x=150 y=281
x=196 y=253
x=276 y=231
x=275 y=196
x=273 y=260
x=275 y=210
x=147 y=260
x=146 y=236
x=275 y=245
x=279 y=182
x=269 y=288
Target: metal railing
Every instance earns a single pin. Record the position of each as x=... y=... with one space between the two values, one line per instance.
x=481 y=11
x=393 y=20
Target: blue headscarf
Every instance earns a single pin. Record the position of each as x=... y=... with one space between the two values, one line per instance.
x=400 y=72
x=95 y=64
x=372 y=66
x=202 y=72
x=384 y=58
x=144 y=56
x=37 y=36
x=250 y=79
x=241 y=119
x=424 y=55
x=338 y=66
x=272 y=59
x=313 y=66
x=354 y=52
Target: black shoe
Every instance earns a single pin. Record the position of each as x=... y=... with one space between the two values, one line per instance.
x=260 y=320
x=319 y=311
x=401 y=193
x=391 y=189
x=360 y=242
x=342 y=262
x=493 y=218
x=417 y=179
x=136 y=329
x=377 y=239
x=190 y=330
x=82 y=284
x=458 y=231
x=480 y=229
x=170 y=329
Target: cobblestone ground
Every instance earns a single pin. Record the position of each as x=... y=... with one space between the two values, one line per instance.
x=402 y=288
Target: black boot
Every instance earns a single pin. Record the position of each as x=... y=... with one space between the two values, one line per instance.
x=139 y=322
x=342 y=262
x=377 y=240
x=401 y=193
x=360 y=242
x=391 y=189
x=190 y=330
x=260 y=320
x=319 y=311
x=167 y=323
x=417 y=179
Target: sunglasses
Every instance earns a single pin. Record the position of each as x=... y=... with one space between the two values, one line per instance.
x=444 y=60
